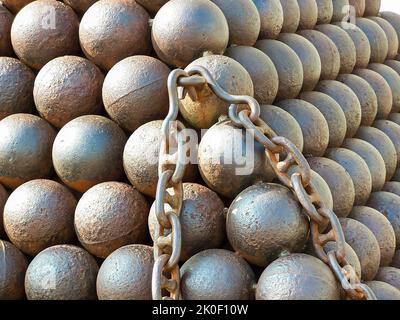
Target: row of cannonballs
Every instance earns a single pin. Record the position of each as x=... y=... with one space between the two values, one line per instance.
x=78 y=190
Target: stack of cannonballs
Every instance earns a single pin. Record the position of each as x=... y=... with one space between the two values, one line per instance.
x=83 y=92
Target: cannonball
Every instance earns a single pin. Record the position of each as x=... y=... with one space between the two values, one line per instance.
x=344 y=44
x=183 y=30
x=309 y=57
x=325 y=11
x=383 y=290
x=88 y=150
x=340 y=10
x=15 y=5
x=141 y=156
x=359 y=6
x=288 y=65
x=297 y=277
x=217 y=274
x=377 y=39
x=382 y=91
x=271 y=16
x=308 y=14
x=16 y=87
x=364 y=243
x=264 y=221
x=347 y=100
x=25 y=149
x=229 y=162
x=328 y=53
x=3 y=199
x=126 y=274
x=80 y=6
x=365 y=94
x=339 y=182
x=152 y=5
x=392 y=130
x=381 y=228
x=383 y=144
x=66 y=88
x=291 y=15
x=243 y=21
x=389 y=275
x=63 y=272
x=372 y=158
x=312 y=123
x=38 y=215
x=6 y=20
x=392 y=187
x=230 y=75
x=389 y=205
x=202 y=220
x=332 y=113
x=393 y=18
x=372 y=7
x=109 y=216
x=391 y=35
x=13 y=266
x=396 y=259
x=44 y=30
x=283 y=124
x=261 y=70
x=357 y=169
x=135 y=91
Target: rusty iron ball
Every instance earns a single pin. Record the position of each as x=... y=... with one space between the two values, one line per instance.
x=152 y=6
x=265 y=221
x=389 y=275
x=66 y=88
x=392 y=130
x=126 y=274
x=16 y=87
x=271 y=18
x=39 y=214
x=44 y=30
x=6 y=20
x=80 y=6
x=28 y=144
x=391 y=35
x=351 y=256
x=135 y=91
x=88 y=150
x=384 y=291
x=217 y=274
x=372 y=7
x=62 y=272
x=297 y=277
x=183 y=30
x=291 y=15
x=3 y=198
x=325 y=11
x=13 y=265
x=111 y=30
x=392 y=187
x=308 y=14
x=15 y=5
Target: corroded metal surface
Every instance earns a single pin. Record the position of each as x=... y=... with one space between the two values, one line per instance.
x=308 y=14
x=15 y=5
x=6 y=19
x=80 y=6
x=271 y=18
x=391 y=36
x=152 y=5
x=325 y=11
x=372 y=7
x=392 y=130
x=393 y=18
x=396 y=259
x=383 y=290
x=291 y=15
x=359 y=6
x=389 y=275
x=392 y=187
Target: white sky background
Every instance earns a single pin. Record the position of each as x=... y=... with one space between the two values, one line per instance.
x=391 y=5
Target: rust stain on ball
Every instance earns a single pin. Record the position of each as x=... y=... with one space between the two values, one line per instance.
x=80 y=6
x=15 y=5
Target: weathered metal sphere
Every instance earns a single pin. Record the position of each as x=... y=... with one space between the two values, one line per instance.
x=6 y=19
x=312 y=123
x=112 y=30
x=110 y=215
x=230 y=75
x=364 y=243
x=308 y=14
x=288 y=65
x=62 y=272
x=126 y=274
x=66 y=88
x=141 y=156
x=394 y=64
x=25 y=150
x=396 y=259
x=243 y=21
x=389 y=275
x=391 y=35
x=392 y=130
x=389 y=205
x=80 y=6
x=3 y=199
x=325 y=11
x=394 y=117
x=271 y=17
x=291 y=15
x=309 y=57
x=393 y=18
x=283 y=124
x=261 y=70
x=38 y=215
x=88 y=150
x=15 y=5
x=382 y=91
x=384 y=291
x=264 y=221
x=359 y=6
x=332 y=113
x=16 y=86
x=152 y=5
x=217 y=274
x=339 y=181
x=381 y=228
x=202 y=220
x=344 y=43
x=372 y=7
x=183 y=30
x=365 y=94
x=297 y=277
x=377 y=39
x=328 y=53
x=340 y=10
x=392 y=187
x=372 y=158
x=135 y=91
x=347 y=100
x=13 y=265
x=44 y=30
